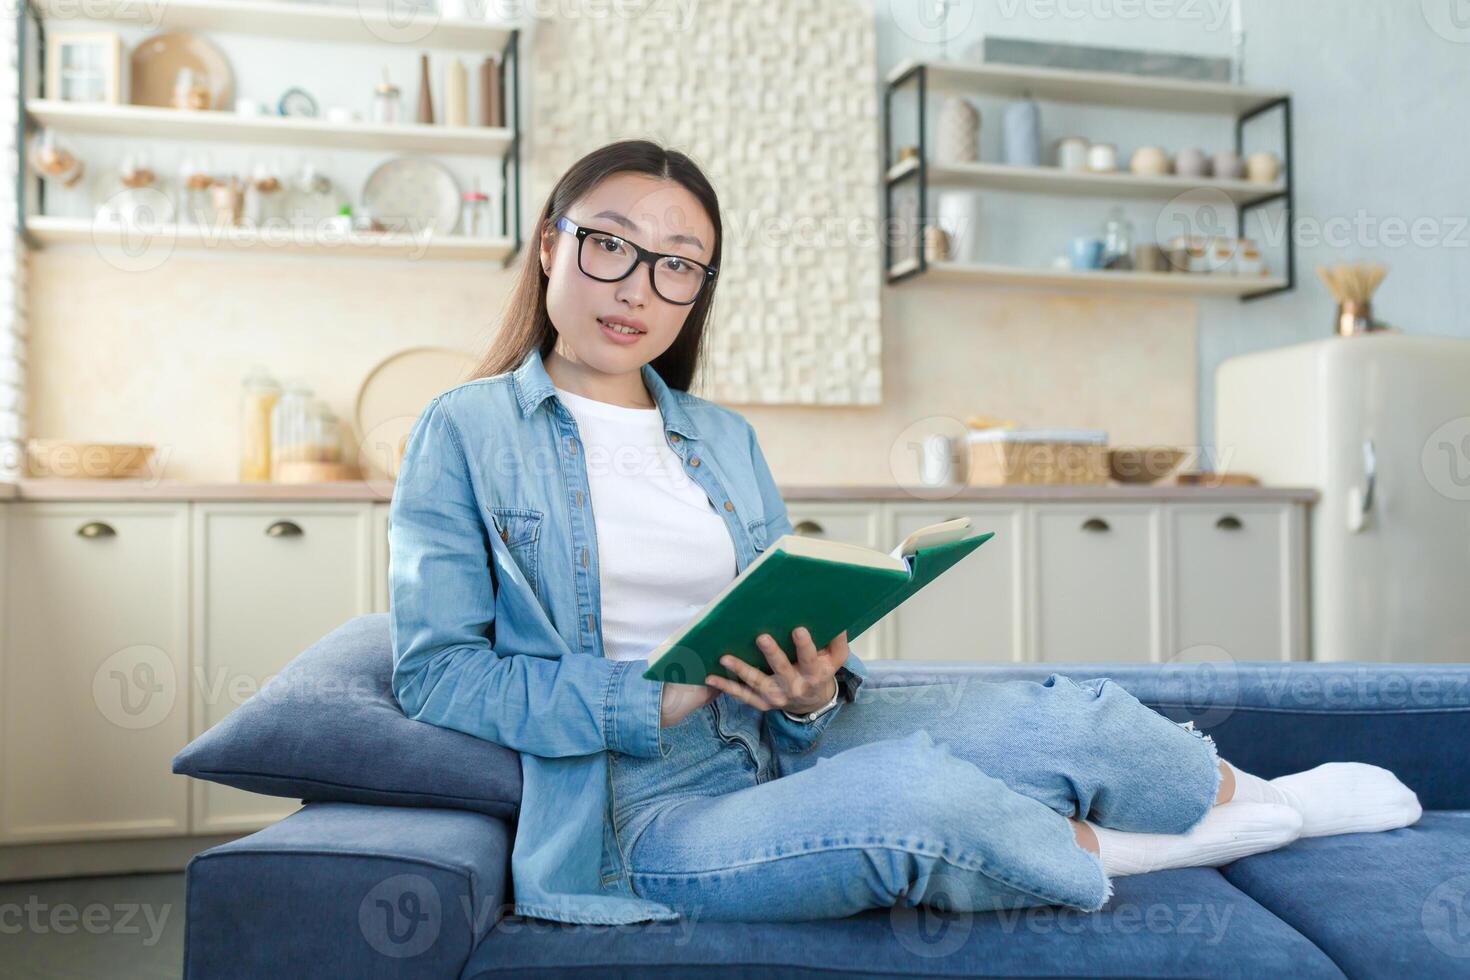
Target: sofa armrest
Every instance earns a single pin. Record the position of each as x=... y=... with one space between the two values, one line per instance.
x=348 y=889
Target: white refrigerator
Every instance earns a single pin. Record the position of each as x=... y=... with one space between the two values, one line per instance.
x=1380 y=424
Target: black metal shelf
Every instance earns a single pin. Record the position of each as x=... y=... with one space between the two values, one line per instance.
x=918 y=74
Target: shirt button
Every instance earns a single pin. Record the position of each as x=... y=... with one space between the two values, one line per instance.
x=504 y=536
x=673 y=437
x=584 y=557
x=589 y=621
x=729 y=506
x=572 y=445
x=579 y=498
x=693 y=460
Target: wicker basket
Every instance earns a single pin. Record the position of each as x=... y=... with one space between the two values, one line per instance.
x=994 y=464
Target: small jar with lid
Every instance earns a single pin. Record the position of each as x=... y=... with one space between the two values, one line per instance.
x=291 y=426
x=474 y=219
x=259 y=393
x=326 y=438
x=387 y=102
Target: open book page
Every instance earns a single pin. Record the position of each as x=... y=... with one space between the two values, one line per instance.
x=931 y=535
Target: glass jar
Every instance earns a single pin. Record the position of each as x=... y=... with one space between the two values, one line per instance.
x=474 y=221
x=196 y=206
x=1118 y=241
x=291 y=426
x=259 y=393
x=312 y=199
x=190 y=90
x=263 y=196
x=324 y=442
x=387 y=104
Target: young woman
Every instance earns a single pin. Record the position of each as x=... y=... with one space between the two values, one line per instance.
x=556 y=517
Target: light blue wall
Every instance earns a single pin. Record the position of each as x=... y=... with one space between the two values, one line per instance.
x=1381 y=92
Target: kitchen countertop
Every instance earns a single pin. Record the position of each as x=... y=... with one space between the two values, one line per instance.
x=381 y=490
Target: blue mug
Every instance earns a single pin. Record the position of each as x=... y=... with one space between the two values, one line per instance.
x=1087 y=253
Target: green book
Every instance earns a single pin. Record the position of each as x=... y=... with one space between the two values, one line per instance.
x=826 y=586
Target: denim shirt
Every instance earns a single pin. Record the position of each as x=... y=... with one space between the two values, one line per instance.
x=496 y=614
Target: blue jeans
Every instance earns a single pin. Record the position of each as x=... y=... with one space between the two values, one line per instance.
x=953 y=795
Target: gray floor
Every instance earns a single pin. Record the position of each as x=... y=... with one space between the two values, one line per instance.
x=121 y=926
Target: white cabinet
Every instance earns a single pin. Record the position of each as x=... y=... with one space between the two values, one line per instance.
x=94 y=672
x=973 y=611
x=380 y=558
x=1093 y=579
x=270 y=580
x=1109 y=581
x=1236 y=582
x=837 y=520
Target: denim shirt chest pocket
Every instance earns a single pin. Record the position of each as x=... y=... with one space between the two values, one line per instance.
x=519 y=528
x=758 y=535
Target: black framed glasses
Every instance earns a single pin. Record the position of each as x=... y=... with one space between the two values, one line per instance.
x=608 y=257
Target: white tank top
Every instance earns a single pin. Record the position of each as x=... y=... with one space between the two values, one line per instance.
x=663 y=551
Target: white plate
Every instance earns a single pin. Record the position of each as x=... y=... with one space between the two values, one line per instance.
x=412 y=195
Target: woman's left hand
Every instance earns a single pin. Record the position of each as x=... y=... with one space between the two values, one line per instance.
x=795 y=687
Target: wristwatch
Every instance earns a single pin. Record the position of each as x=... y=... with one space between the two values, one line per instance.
x=814 y=715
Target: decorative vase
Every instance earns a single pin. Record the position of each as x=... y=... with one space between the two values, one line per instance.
x=959 y=131
x=959 y=218
x=1191 y=162
x=1263 y=168
x=1228 y=165
x=425 y=112
x=1023 y=134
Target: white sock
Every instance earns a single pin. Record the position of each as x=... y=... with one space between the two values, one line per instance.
x=1229 y=831
x=1349 y=798
x=1254 y=789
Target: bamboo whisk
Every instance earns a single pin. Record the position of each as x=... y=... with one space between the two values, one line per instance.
x=1352 y=284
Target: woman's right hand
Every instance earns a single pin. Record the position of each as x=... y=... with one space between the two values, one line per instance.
x=680 y=699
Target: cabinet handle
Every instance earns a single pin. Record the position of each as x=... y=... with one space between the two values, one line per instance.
x=284 y=529
x=809 y=528
x=96 y=529
x=1095 y=524
x=1229 y=523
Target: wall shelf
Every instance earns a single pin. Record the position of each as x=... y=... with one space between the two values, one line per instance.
x=1089 y=87
x=1144 y=283
x=80 y=231
x=1054 y=180
x=271 y=18
x=150 y=122
x=302 y=21
x=1085 y=88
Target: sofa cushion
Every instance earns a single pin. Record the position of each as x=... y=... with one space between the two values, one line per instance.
x=328 y=728
x=1185 y=923
x=1391 y=904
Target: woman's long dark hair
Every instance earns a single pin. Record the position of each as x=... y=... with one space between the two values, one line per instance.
x=526 y=326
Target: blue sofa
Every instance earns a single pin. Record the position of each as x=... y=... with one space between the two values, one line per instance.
x=391 y=871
